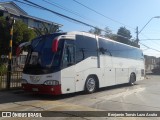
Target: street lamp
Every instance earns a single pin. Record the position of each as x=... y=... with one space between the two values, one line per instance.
x=138 y=32
x=148 y=23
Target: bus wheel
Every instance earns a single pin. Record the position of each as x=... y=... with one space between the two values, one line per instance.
x=90 y=85
x=132 y=79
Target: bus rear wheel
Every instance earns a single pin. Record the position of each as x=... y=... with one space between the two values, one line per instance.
x=90 y=85
x=132 y=79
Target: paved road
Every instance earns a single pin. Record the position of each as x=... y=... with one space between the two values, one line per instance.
x=144 y=96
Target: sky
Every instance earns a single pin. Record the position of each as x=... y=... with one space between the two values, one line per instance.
x=118 y=13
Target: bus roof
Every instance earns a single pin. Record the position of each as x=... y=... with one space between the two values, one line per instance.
x=94 y=35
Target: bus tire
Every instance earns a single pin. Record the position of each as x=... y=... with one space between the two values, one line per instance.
x=91 y=84
x=132 y=79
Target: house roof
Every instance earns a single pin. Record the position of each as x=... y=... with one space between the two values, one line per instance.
x=39 y=19
x=5 y=6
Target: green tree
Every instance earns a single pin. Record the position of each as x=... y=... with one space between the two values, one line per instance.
x=124 y=35
x=47 y=30
x=4 y=36
x=108 y=33
x=21 y=33
x=96 y=31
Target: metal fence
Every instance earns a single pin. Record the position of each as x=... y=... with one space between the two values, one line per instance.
x=15 y=74
x=15 y=81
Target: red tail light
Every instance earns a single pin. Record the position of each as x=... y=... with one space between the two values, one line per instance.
x=18 y=51
x=55 y=46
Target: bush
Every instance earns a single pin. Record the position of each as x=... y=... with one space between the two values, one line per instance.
x=3 y=69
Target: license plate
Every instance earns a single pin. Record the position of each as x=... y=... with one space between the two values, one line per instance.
x=35 y=89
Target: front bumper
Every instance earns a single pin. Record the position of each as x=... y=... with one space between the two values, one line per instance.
x=42 y=89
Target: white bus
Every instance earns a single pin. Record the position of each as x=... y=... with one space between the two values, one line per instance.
x=69 y=62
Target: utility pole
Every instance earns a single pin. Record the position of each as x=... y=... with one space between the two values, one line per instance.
x=137 y=32
x=137 y=38
x=11 y=21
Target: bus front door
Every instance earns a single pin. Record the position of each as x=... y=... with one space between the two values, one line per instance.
x=68 y=71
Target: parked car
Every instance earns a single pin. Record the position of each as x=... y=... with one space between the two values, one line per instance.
x=156 y=70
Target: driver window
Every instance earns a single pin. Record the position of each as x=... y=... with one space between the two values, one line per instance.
x=69 y=55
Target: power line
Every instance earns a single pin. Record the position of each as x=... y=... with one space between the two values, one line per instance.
x=69 y=18
x=64 y=16
x=26 y=3
x=149 y=47
x=57 y=5
x=102 y=14
x=38 y=6
x=43 y=8
x=63 y=8
x=146 y=45
x=148 y=39
x=71 y=11
x=157 y=44
x=59 y=14
x=32 y=5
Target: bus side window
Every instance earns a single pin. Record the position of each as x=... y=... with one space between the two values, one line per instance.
x=69 y=55
x=85 y=47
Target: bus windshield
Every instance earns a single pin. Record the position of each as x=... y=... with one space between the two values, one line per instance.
x=40 y=55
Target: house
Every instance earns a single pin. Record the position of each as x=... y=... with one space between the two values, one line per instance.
x=151 y=62
x=13 y=10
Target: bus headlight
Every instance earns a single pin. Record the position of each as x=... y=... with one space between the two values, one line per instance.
x=51 y=82
x=23 y=81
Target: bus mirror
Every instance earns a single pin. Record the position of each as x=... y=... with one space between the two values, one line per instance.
x=102 y=50
x=55 y=46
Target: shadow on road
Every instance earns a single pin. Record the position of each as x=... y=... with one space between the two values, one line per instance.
x=20 y=95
